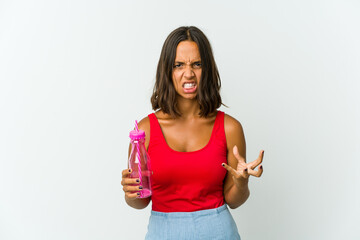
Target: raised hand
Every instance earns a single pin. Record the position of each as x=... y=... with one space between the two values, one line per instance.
x=243 y=169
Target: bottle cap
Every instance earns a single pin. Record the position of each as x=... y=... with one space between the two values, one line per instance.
x=137 y=135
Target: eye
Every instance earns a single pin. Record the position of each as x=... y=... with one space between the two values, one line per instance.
x=197 y=65
x=177 y=65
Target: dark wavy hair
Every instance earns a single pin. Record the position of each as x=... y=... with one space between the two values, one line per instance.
x=164 y=93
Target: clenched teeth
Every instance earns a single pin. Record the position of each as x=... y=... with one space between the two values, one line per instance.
x=189 y=85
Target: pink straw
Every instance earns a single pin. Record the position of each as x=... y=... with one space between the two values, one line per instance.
x=138 y=157
x=136 y=126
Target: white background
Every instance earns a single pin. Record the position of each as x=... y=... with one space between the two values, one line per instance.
x=74 y=75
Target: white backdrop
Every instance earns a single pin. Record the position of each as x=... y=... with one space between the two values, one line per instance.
x=74 y=75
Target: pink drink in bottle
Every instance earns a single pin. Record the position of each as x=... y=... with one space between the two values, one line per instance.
x=139 y=161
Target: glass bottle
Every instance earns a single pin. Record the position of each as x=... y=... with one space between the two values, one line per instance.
x=139 y=162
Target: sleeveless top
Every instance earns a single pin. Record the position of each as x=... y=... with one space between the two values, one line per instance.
x=187 y=181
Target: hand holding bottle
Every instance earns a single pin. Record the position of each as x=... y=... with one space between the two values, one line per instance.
x=131 y=186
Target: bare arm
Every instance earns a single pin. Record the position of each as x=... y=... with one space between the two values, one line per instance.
x=236 y=190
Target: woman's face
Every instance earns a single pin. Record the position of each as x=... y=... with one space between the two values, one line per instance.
x=187 y=69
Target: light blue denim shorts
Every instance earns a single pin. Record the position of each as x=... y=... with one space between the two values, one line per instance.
x=210 y=224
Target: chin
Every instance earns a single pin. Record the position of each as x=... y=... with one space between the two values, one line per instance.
x=188 y=96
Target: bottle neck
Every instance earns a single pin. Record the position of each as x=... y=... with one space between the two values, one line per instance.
x=141 y=140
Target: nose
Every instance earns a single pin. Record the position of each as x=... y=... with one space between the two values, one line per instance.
x=189 y=73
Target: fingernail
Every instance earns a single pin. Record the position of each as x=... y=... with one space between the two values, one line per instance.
x=260 y=167
x=245 y=170
x=223 y=164
x=140 y=187
x=137 y=180
x=138 y=194
x=129 y=170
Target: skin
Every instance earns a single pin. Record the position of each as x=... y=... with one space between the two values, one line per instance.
x=191 y=132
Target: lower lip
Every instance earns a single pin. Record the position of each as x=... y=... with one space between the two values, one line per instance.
x=190 y=90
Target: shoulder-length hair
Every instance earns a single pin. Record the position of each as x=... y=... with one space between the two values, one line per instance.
x=164 y=93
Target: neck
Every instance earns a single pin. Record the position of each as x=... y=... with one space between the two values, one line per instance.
x=189 y=108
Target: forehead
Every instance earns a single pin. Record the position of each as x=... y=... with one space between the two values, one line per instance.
x=187 y=51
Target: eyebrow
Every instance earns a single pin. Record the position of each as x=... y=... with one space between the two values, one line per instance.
x=197 y=61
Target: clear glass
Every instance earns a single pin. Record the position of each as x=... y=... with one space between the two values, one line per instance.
x=141 y=168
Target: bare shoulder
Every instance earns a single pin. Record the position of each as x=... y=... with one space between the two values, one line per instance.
x=232 y=126
x=234 y=135
x=144 y=124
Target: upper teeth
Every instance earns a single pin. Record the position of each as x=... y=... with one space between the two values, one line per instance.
x=189 y=85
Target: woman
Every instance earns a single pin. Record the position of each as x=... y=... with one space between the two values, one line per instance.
x=197 y=153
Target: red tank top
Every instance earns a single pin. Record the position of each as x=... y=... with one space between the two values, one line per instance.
x=187 y=181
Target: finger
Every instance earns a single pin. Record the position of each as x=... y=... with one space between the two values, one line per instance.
x=126 y=172
x=243 y=174
x=237 y=155
x=256 y=162
x=132 y=189
x=128 y=181
x=230 y=169
x=257 y=173
x=132 y=196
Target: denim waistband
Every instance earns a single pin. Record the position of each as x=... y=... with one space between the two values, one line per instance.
x=190 y=214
